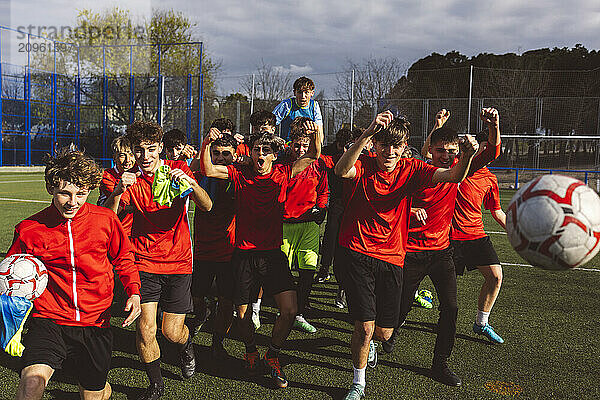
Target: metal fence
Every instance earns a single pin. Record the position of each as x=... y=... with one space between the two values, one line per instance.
x=55 y=93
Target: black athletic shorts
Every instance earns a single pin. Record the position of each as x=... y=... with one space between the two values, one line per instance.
x=253 y=269
x=471 y=254
x=171 y=291
x=83 y=351
x=373 y=288
x=205 y=272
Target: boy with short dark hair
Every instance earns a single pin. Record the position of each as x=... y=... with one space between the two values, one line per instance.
x=162 y=246
x=79 y=243
x=176 y=146
x=374 y=229
x=301 y=105
x=214 y=239
x=257 y=260
x=305 y=208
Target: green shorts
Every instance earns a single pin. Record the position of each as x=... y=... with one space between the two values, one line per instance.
x=301 y=243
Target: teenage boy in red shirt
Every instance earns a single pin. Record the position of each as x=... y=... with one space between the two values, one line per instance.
x=428 y=247
x=257 y=260
x=79 y=243
x=214 y=239
x=374 y=229
x=305 y=208
x=473 y=248
x=124 y=162
x=163 y=250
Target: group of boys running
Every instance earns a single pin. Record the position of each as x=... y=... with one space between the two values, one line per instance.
x=259 y=205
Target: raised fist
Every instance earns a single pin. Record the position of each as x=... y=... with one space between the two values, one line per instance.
x=468 y=145
x=490 y=116
x=441 y=117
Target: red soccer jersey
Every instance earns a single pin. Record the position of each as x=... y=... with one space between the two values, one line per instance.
x=306 y=190
x=260 y=204
x=214 y=231
x=375 y=221
x=110 y=179
x=242 y=149
x=160 y=234
x=79 y=254
x=477 y=189
x=439 y=202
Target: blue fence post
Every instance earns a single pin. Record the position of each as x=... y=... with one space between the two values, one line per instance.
x=516 y=178
x=200 y=108
x=104 y=114
x=188 y=111
x=77 y=109
x=53 y=109
x=585 y=179
x=131 y=98
x=159 y=104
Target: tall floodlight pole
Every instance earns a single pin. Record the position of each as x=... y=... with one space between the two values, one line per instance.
x=470 y=98
x=352 y=102
x=251 y=102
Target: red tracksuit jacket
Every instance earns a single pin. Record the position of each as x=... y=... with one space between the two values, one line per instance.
x=79 y=254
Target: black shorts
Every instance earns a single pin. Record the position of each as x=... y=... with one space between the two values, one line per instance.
x=253 y=269
x=84 y=352
x=171 y=291
x=205 y=272
x=471 y=254
x=373 y=288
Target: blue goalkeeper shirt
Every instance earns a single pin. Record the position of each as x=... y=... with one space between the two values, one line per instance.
x=288 y=110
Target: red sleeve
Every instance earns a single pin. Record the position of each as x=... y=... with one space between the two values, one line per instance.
x=489 y=154
x=423 y=173
x=17 y=245
x=234 y=176
x=328 y=161
x=108 y=183
x=120 y=252
x=242 y=149
x=322 y=188
x=491 y=200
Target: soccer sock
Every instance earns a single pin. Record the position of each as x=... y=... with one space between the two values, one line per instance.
x=217 y=339
x=273 y=351
x=482 y=318
x=153 y=371
x=256 y=307
x=359 y=376
x=304 y=288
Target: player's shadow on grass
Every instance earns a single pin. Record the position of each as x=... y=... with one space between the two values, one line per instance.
x=432 y=328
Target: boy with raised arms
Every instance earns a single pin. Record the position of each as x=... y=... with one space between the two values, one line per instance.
x=301 y=105
x=80 y=244
x=257 y=260
x=374 y=229
x=163 y=250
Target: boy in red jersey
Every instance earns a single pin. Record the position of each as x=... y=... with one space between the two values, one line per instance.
x=124 y=162
x=374 y=230
x=70 y=324
x=473 y=248
x=257 y=260
x=305 y=208
x=163 y=250
x=428 y=247
x=214 y=239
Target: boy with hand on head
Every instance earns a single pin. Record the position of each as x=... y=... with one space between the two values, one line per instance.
x=176 y=147
x=124 y=162
x=260 y=190
x=214 y=239
x=305 y=208
x=374 y=230
x=162 y=246
x=301 y=105
x=80 y=244
x=428 y=247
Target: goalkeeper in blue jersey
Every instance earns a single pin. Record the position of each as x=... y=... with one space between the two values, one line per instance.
x=301 y=105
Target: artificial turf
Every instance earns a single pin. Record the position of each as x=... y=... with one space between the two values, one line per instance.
x=547 y=319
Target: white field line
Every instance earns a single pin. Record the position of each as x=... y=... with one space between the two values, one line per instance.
x=37 y=180
x=23 y=200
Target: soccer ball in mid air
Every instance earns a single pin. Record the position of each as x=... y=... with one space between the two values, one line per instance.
x=23 y=275
x=553 y=222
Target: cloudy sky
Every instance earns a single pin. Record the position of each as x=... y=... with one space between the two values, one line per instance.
x=315 y=37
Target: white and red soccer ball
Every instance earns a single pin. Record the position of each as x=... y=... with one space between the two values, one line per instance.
x=554 y=222
x=23 y=275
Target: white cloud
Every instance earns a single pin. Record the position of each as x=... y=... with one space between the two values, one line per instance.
x=294 y=69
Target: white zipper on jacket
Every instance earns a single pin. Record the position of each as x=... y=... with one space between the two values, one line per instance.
x=71 y=247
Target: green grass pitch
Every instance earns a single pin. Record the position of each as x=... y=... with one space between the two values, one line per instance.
x=547 y=319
